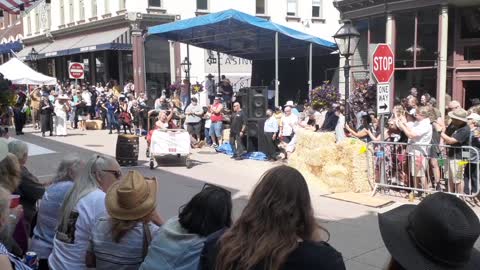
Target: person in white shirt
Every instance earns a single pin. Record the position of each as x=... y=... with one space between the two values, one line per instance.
x=99 y=88
x=289 y=122
x=87 y=98
x=340 y=128
x=270 y=129
x=82 y=207
x=419 y=136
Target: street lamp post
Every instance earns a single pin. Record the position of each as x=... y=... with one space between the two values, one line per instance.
x=347 y=38
x=186 y=68
x=33 y=55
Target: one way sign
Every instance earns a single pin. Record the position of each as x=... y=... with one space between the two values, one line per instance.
x=383 y=98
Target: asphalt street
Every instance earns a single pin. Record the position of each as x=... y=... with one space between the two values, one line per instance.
x=353 y=228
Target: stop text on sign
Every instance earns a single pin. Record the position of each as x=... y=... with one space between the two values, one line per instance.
x=382 y=63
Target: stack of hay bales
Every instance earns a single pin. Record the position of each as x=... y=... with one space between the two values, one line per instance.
x=338 y=167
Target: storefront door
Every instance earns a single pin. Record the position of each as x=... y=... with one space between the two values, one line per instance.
x=471 y=91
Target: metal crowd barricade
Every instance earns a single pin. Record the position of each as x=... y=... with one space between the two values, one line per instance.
x=425 y=168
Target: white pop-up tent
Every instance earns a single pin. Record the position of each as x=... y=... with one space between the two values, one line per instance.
x=19 y=73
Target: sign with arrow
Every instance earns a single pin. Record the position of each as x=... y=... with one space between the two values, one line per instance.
x=383 y=98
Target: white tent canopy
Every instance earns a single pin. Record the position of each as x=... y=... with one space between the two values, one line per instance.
x=19 y=73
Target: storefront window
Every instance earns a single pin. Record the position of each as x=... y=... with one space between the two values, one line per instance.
x=87 y=67
x=471 y=52
x=157 y=66
x=427 y=38
x=378 y=29
x=405 y=46
x=425 y=80
x=51 y=67
x=470 y=22
x=100 y=66
x=127 y=66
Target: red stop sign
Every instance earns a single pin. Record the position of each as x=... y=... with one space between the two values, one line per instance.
x=76 y=70
x=383 y=63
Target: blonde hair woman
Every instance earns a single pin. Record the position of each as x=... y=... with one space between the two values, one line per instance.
x=81 y=209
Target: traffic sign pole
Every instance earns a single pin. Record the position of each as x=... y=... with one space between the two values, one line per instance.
x=383 y=66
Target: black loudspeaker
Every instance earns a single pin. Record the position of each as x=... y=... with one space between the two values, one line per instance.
x=254 y=101
x=257 y=102
x=255 y=135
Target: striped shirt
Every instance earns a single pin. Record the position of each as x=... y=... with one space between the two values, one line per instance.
x=16 y=262
x=125 y=255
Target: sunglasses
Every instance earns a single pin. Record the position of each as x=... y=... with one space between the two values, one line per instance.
x=117 y=174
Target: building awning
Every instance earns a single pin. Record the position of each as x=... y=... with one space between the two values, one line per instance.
x=116 y=39
x=23 y=54
x=14 y=46
x=59 y=47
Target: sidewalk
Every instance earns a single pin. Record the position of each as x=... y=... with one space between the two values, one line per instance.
x=353 y=228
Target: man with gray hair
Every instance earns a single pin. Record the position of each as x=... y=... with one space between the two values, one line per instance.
x=30 y=189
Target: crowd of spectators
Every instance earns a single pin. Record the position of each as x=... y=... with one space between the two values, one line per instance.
x=90 y=215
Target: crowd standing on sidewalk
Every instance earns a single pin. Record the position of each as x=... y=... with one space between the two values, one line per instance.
x=91 y=215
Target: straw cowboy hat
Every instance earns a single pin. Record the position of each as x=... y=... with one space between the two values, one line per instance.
x=132 y=198
x=289 y=103
x=459 y=114
x=437 y=234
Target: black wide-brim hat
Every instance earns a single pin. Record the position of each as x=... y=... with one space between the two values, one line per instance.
x=395 y=228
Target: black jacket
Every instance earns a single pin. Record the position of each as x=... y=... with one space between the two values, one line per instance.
x=30 y=191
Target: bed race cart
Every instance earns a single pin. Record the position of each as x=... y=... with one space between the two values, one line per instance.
x=166 y=143
x=170 y=142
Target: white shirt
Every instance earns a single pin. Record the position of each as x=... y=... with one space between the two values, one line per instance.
x=271 y=125
x=87 y=98
x=339 y=129
x=289 y=123
x=72 y=255
x=423 y=135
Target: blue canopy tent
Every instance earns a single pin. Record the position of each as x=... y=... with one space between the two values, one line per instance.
x=239 y=34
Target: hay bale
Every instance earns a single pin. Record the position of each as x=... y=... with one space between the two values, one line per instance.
x=320 y=156
x=356 y=160
x=336 y=178
x=311 y=140
x=338 y=167
x=298 y=163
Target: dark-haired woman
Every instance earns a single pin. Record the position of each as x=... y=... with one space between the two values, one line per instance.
x=276 y=231
x=180 y=240
x=46 y=111
x=362 y=132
